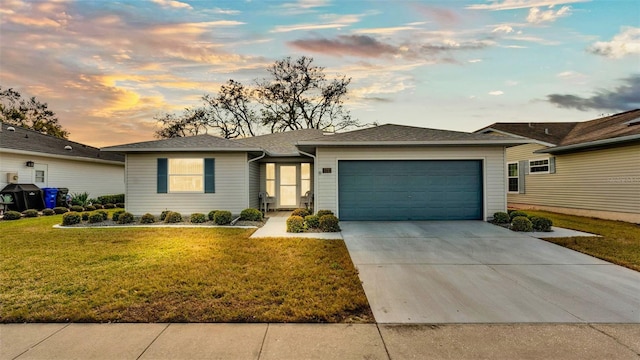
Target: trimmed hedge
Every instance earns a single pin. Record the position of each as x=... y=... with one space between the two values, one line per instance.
x=71 y=218
x=521 y=223
x=501 y=218
x=30 y=213
x=222 y=217
x=517 y=213
x=295 y=224
x=251 y=214
x=163 y=214
x=89 y=208
x=104 y=214
x=211 y=214
x=173 y=217
x=302 y=212
x=147 y=219
x=48 y=212
x=111 y=199
x=322 y=213
x=60 y=210
x=116 y=215
x=541 y=223
x=12 y=215
x=198 y=218
x=108 y=206
x=312 y=221
x=329 y=223
x=126 y=218
x=95 y=218
x=85 y=216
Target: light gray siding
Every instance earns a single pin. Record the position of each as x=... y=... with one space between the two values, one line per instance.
x=254 y=185
x=78 y=176
x=601 y=180
x=492 y=157
x=231 y=179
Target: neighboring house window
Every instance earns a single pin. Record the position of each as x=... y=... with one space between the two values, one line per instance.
x=271 y=179
x=40 y=177
x=513 y=177
x=186 y=175
x=305 y=178
x=539 y=166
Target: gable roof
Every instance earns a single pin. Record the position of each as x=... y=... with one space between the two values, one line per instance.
x=183 y=144
x=284 y=143
x=618 y=128
x=25 y=141
x=391 y=134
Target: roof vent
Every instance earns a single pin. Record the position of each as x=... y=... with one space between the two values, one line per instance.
x=68 y=147
x=11 y=128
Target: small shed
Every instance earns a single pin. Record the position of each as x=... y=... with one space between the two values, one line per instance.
x=25 y=196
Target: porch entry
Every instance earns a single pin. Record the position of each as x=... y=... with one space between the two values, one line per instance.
x=288 y=182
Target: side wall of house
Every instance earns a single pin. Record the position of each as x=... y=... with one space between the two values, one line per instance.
x=78 y=176
x=602 y=183
x=254 y=185
x=231 y=179
x=493 y=169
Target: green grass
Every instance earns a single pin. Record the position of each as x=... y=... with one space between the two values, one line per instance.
x=172 y=275
x=619 y=244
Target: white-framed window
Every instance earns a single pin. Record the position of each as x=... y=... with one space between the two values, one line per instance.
x=513 y=179
x=271 y=179
x=186 y=175
x=305 y=178
x=540 y=166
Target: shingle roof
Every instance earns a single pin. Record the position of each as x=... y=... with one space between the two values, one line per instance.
x=282 y=144
x=390 y=133
x=573 y=133
x=22 y=139
x=190 y=143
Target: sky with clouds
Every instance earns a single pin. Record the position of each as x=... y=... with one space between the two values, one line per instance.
x=108 y=67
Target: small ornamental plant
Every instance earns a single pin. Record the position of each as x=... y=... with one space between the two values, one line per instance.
x=541 y=223
x=120 y=205
x=521 y=223
x=108 y=206
x=76 y=208
x=173 y=217
x=295 y=224
x=12 y=215
x=105 y=215
x=251 y=214
x=147 y=219
x=30 y=213
x=89 y=208
x=116 y=215
x=329 y=223
x=302 y=212
x=95 y=218
x=222 y=217
x=312 y=221
x=163 y=214
x=517 y=213
x=48 y=212
x=126 y=218
x=322 y=213
x=71 y=218
x=198 y=218
x=501 y=218
x=211 y=214
x=85 y=216
x=60 y=209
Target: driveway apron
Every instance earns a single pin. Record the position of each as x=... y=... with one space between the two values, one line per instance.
x=475 y=272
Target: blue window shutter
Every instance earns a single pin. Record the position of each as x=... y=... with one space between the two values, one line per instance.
x=523 y=169
x=209 y=175
x=552 y=165
x=163 y=171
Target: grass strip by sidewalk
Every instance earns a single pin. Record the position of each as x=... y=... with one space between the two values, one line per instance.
x=172 y=275
x=619 y=244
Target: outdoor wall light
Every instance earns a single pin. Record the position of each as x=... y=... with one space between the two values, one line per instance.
x=29 y=164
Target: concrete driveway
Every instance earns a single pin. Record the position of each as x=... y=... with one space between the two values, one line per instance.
x=475 y=272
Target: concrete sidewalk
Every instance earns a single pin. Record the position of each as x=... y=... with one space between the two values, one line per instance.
x=318 y=341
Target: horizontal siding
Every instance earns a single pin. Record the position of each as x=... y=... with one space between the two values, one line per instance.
x=78 y=176
x=230 y=179
x=603 y=180
x=494 y=169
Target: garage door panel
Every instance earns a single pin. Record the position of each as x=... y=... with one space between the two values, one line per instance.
x=410 y=189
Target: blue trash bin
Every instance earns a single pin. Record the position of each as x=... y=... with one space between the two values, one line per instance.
x=49 y=196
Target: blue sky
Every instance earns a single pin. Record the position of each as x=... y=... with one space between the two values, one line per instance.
x=108 y=67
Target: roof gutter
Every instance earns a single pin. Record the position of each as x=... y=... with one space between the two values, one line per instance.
x=66 y=157
x=586 y=145
x=130 y=150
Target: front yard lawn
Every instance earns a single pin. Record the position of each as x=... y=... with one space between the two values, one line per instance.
x=619 y=244
x=172 y=275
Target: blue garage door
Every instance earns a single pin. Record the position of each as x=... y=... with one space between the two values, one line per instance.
x=410 y=190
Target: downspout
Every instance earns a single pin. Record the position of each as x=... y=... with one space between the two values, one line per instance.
x=264 y=153
x=315 y=182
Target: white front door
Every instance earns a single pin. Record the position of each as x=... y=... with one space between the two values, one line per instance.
x=40 y=175
x=288 y=189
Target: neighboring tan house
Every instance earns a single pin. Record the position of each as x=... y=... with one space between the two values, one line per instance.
x=589 y=168
x=30 y=157
x=388 y=172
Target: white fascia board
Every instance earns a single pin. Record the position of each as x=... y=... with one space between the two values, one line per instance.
x=482 y=131
x=418 y=143
x=65 y=157
x=131 y=150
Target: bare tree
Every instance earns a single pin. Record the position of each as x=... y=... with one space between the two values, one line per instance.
x=191 y=122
